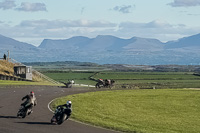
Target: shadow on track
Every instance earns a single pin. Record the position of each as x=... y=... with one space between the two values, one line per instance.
x=8 y=117
x=36 y=123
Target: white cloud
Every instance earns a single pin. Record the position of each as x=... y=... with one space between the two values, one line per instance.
x=185 y=3
x=65 y=23
x=157 y=24
x=32 y=7
x=7 y=4
x=123 y=9
x=190 y=14
x=25 y=6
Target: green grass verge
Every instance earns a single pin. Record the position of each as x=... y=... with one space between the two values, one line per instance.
x=148 y=111
x=9 y=82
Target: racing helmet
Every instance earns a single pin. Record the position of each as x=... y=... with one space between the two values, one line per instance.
x=69 y=103
x=31 y=93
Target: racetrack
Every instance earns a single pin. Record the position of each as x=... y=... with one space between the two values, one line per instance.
x=39 y=120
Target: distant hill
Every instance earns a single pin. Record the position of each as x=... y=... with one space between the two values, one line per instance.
x=73 y=42
x=103 y=43
x=144 y=44
x=107 y=49
x=11 y=44
x=18 y=50
x=186 y=42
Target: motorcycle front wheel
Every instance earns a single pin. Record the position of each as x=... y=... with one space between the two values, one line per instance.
x=61 y=119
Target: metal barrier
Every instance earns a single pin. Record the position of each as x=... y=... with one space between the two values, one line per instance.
x=5 y=77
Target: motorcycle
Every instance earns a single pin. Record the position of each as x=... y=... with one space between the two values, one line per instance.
x=24 y=111
x=69 y=83
x=59 y=116
x=99 y=85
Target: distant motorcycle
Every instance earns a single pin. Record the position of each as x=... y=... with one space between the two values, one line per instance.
x=69 y=83
x=105 y=83
x=23 y=112
x=59 y=116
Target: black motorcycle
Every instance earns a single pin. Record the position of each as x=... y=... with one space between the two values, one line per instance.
x=60 y=116
x=24 y=111
x=68 y=84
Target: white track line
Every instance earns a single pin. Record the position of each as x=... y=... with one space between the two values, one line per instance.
x=49 y=105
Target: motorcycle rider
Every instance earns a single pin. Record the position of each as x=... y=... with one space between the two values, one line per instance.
x=72 y=81
x=100 y=80
x=30 y=101
x=68 y=108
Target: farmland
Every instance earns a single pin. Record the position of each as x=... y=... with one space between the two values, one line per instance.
x=133 y=80
x=125 y=76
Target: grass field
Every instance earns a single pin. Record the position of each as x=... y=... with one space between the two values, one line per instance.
x=126 y=80
x=132 y=80
x=147 y=75
x=148 y=111
x=79 y=77
x=8 y=82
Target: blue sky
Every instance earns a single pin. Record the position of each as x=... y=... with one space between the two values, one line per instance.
x=32 y=21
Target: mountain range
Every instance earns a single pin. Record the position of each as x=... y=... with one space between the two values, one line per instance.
x=107 y=49
x=103 y=43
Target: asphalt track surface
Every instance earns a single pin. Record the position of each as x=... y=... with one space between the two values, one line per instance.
x=39 y=120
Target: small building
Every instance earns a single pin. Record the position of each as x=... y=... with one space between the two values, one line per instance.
x=23 y=72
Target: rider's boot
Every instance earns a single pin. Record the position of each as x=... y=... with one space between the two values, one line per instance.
x=67 y=118
x=31 y=111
